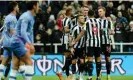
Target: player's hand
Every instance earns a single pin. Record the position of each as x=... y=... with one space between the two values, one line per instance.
x=73 y=43
x=108 y=49
x=32 y=48
x=72 y=51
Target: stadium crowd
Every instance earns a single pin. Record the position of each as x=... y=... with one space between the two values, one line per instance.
x=48 y=24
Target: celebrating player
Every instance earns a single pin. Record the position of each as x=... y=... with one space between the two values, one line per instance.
x=67 y=26
x=106 y=32
x=93 y=43
x=77 y=49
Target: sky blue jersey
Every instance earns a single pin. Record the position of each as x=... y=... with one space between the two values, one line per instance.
x=9 y=23
x=24 y=28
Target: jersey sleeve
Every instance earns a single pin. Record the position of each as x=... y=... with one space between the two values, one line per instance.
x=24 y=34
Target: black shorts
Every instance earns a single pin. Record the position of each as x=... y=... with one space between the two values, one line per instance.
x=64 y=49
x=106 y=49
x=78 y=53
x=93 y=51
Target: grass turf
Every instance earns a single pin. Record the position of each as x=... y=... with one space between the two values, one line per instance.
x=94 y=78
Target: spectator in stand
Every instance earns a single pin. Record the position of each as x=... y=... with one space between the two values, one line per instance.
x=121 y=19
x=56 y=7
x=131 y=36
x=38 y=33
x=124 y=23
x=118 y=34
x=122 y=8
x=60 y=16
x=130 y=14
x=43 y=5
x=57 y=35
x=47 y=15
x=110 y=9
x=51 y=22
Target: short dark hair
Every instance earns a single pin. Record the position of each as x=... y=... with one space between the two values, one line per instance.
x=30 y=4
x=11 y=6
x=91 y=13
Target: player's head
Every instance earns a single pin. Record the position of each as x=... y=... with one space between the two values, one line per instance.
x=85 y=10
x=13 y=7
x=33 y=5
x=91 y=13
x=80 y=12
x=81 y=19
x=101 y=11
x=69 y=11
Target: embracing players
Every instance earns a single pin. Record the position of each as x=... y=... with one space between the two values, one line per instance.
x=93 y=30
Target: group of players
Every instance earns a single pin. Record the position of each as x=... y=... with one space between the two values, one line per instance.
x=87 y=37
x=17 y=41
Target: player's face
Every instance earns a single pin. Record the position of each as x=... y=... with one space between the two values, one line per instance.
x=101 y=13
x=85 y=11
x=81 y=19
x=17 y=9
x=36 y=8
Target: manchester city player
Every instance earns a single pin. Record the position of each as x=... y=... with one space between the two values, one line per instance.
x=24 y=35
x=9 y=25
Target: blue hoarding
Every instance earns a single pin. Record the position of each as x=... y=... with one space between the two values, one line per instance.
x=50 y=64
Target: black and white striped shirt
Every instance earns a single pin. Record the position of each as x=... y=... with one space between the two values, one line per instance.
x=105 y=26
x=67 y=23
x=75 y=19
x=92 y=29
x=74 y=33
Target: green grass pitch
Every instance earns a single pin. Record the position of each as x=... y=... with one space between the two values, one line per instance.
x=94 y=78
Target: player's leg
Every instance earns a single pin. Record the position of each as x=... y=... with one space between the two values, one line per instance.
x=90 y=54
x=74 y=58
x=20 y=51
x=15 y=67
x=107 y=58
x=81 y=64
x=5 y=59
x=7 y=69
x=66 y=65
x=8 y=66
x=98 y=62
x=21 y=67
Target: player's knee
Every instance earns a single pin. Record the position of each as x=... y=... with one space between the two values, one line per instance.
x=27 y=59
x=90 y=59
x=4 y=61
x=107 y=59
x=98 y=59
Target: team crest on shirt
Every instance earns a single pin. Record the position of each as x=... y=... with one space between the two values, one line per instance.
x=95 y=30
